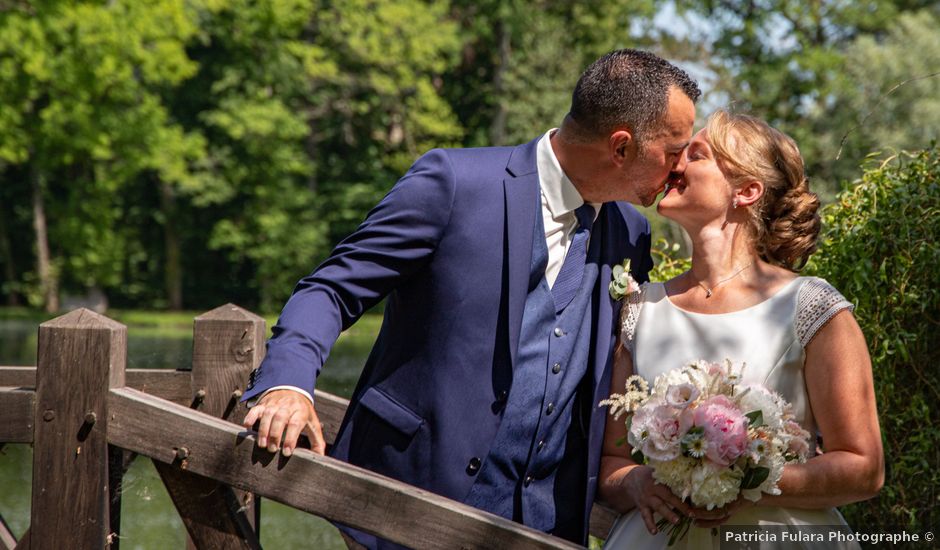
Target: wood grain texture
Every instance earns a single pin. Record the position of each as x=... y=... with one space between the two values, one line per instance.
x=228 y=343
x=330 y=410
x=312 y=483
x=81 y=355
x=17 y=412
x=24 y=377
x=213 y=514
x=602 y=519
x=172 y=385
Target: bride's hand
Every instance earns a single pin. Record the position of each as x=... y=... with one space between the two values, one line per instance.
x=720 y=516
x=653 y=498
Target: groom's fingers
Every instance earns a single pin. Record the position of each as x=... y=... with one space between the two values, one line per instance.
x=294 y=426
x=315 y=433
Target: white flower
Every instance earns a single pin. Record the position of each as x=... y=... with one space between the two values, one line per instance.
x=758 y=449
x=696 y=444
x=689 y=374
x=758 y=398
x=681 y=396
x=676 y=474
x=775 y=463
x=714 y=486
x=622 y=283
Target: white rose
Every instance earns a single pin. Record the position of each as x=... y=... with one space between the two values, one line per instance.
x=714 y=486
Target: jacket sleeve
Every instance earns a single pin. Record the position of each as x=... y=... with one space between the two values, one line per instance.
x=397 y=238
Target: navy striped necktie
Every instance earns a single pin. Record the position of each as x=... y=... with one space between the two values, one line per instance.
x=569 y=278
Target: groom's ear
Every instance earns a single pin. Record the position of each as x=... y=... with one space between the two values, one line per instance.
x=622 y=147
x=749 y=193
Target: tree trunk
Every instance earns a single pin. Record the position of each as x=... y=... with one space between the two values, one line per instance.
x=173 y=272
x=48 y=279
x=9 y=266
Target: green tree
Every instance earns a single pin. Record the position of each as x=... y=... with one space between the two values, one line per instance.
x=889 y=100
x=520 y=61
x=786 y=61
x=79 y=115
x=371 y=119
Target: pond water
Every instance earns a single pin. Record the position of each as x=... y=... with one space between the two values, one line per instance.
x=148 y=518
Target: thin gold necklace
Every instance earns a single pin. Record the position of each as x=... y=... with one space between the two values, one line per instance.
x=710 y=291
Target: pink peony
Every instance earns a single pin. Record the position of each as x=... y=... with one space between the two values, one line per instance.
x=725 y=429
x=658 y=429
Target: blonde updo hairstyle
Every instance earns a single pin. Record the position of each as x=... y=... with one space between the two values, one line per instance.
x=784 y=223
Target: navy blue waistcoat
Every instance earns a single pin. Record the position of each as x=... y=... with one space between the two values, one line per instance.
x=534 y=473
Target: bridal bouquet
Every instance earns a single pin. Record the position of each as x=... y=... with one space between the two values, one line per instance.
x=707 y=437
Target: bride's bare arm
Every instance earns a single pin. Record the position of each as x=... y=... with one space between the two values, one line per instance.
x=623 y=483
x=841 y=392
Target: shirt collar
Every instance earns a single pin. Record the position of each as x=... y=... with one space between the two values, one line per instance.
x=560 y=194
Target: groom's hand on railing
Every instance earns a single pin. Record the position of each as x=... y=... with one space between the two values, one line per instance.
x=282 y=415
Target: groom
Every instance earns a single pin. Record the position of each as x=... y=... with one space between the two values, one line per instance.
x=498 y=333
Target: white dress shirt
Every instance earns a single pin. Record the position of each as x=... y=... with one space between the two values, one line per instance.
x=560 y=199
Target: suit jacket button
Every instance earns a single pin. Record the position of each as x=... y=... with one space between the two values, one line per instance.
x=474 y=466
x=550 y=408
x=556 y=368
x=527 y=481
x=502 y=396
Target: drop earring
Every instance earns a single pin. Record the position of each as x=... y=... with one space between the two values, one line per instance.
x=734 y=203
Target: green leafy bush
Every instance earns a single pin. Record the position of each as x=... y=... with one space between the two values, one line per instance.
x=880 y=248
x=668 y=261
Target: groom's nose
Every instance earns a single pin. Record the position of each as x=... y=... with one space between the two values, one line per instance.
x=681 y=161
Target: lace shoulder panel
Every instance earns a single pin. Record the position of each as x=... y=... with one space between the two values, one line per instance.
x=629 y=314
x=817 y=303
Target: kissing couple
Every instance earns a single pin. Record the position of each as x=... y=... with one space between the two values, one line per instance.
x=501 y=338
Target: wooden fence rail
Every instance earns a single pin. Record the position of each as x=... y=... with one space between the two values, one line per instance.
x=88 y=417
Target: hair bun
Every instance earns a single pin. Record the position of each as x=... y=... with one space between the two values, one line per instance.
x=793 y=225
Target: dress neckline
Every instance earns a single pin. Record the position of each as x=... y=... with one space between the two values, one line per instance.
x=769 y=299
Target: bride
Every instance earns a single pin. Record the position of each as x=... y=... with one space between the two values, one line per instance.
x=741 y=195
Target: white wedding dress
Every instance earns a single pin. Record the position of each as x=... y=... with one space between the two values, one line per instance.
x=770 y=338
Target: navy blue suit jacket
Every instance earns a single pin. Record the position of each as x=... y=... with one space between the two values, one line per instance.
x=450 y=246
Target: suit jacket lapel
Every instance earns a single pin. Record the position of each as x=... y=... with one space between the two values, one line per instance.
x=522 y=200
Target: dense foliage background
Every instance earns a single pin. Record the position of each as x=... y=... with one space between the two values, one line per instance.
x=187 y=153
x=880 y=248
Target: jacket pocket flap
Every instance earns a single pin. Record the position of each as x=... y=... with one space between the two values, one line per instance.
x=385 y=407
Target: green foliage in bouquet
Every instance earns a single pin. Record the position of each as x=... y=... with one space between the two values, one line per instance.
x=880 y=249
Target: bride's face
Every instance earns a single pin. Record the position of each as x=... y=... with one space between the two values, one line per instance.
x=700 y=193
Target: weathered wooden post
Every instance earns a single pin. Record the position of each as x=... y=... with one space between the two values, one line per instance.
x=81 y=356
x=228 y=343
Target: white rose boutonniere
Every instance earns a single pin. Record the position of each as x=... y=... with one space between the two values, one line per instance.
x=622 y=283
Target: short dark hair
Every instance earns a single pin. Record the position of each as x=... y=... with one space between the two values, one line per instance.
x=627 y=89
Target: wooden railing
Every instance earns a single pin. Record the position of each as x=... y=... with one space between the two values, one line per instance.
x=88 y=418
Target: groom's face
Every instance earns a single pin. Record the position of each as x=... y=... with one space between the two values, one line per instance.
x=658 y=156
